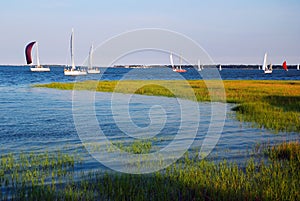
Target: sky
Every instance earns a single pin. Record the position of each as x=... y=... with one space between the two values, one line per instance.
x=230 y=31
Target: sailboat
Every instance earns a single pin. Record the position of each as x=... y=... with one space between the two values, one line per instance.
x=265 y=68
x=199 y=66
x=73 y=70
x=284 y=66
x=172 y=62
x=91 y=69
x=179 y=70
x=220 y=67
x=298 y=67
x=28 y=50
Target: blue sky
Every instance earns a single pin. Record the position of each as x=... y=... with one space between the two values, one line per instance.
x=232 y=31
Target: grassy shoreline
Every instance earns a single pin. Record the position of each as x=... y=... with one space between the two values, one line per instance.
x=273 y=105
x=50 y=176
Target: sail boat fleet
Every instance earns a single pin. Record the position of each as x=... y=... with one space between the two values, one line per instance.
x=268 y=69
x=74 y=71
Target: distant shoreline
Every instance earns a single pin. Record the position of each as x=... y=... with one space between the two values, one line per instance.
x=224 y=66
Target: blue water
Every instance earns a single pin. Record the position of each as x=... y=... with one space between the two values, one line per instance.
x=38 y=119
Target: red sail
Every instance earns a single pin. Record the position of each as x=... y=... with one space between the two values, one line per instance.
x=284 y=66
x=28 y=52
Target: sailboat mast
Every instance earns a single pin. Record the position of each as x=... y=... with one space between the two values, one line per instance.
x=91 y=57
x=72 y=49
x=37 y=55
x=180 y=62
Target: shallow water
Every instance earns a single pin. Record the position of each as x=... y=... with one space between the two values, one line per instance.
x=38 y=119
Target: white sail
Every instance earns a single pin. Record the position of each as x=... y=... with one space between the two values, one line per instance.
x=220 y=67
x=90 y=65
x=199 y=66
x=72 y=49
x=91 y=69
x=171 y=60
x=264 y=62
x=298 y=67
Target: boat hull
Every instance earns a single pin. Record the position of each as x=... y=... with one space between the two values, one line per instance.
x=268 y=71
x=179 y=70
x=74 y=72
x=93 y=71
x=42 y=69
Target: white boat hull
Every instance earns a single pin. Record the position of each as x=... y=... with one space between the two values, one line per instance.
x=42 y=69
x=74 y=72
x=268 y=71
x=93 y=71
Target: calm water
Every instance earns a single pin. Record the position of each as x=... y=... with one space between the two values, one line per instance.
x=37 y=119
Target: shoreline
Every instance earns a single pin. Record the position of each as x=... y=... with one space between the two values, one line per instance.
x=210 y=66
x=267 y=104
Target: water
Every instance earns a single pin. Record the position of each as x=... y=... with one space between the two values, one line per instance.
x=38 y=119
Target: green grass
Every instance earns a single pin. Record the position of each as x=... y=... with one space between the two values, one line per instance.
x=22 y=175
x=30 y=177
x=272 y=105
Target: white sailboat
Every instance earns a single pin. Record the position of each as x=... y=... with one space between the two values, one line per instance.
x=199 y=65
x=179 y=70
x=220 y=67
x=73 y=70
x=37 y=67
x=298 y=67
x=265 y=68
x=91 y=69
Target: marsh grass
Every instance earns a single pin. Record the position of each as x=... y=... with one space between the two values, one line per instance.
x=136 y=147
x=286 y=151
x=23 y=174
x=272 y=105
x=24 y=178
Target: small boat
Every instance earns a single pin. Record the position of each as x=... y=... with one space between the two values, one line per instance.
x=73 y=71
x=284 y=66
x=265 y=68
x=28 y=50
x=91 y=69
x=199 y=66
x=220 y=67
x=298 y=67
x=179 y=70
